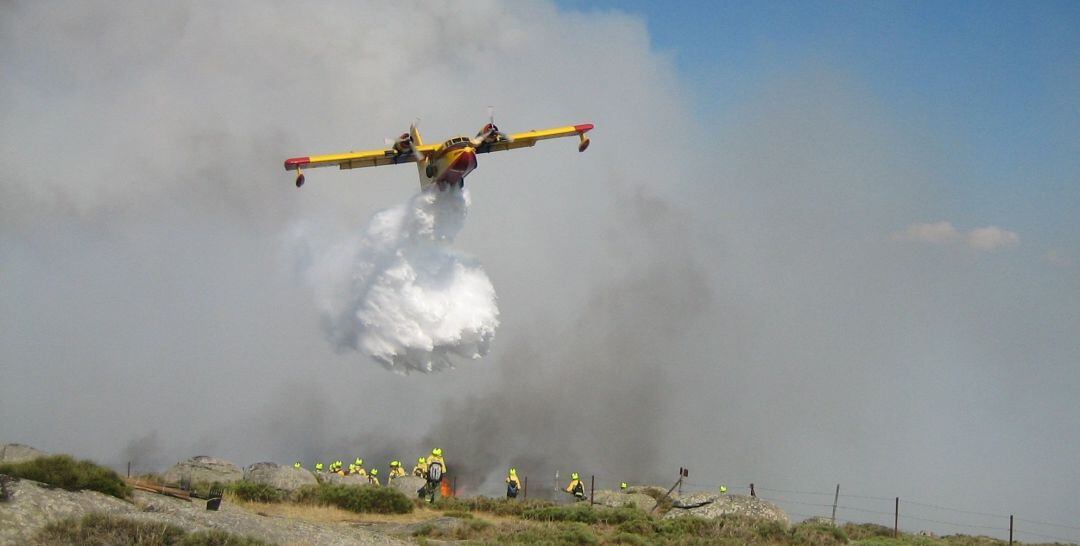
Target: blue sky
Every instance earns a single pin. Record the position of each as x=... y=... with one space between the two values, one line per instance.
x=997 y=82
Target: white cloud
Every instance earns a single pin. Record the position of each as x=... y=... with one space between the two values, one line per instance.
x=992 y=238
x=989 y=239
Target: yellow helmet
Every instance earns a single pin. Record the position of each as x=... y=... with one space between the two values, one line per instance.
x=723 y=489
x=437 y=452
x=574 y=476
x=622 y=485
x=395 y=463
x=359 y=462
x=421 y=460
x=374 y=471
x=513 y=471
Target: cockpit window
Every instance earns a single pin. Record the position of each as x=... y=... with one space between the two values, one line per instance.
x=456 y=141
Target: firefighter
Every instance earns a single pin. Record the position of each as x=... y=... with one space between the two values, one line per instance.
x=396 y=470
x=576 y=488
x=436 y=469
x=513 y=484
x=358 y=467
x=373 y=477
x=420 y=470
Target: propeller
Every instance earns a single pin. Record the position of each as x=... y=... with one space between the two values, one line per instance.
x=490 y=129
x=407 y=140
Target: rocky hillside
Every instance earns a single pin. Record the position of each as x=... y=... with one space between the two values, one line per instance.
x=31 y=505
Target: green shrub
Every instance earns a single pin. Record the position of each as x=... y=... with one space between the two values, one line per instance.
x=684 y=526
x=364 y=498
x=424 y=530
x=499 y=506
x=771 y=530
x=254 y=492
x=219 y=538
x=308 y=494
x=859 y=531
x=104 y=530
x=576 y=533
x=584 y=513
x=65 y=472
x=628 y=538
x=637 y=526
x=564 y=533
x=818 y=533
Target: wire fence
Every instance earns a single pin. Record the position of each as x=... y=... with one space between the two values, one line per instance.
x=906 y=515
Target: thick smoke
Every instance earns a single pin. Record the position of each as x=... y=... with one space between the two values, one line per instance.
x=591 y=394
x=399 y=293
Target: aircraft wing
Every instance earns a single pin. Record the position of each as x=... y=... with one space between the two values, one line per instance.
x=530 y=138
x=356 y=160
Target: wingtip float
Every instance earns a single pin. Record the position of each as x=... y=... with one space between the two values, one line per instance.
x=444 y=165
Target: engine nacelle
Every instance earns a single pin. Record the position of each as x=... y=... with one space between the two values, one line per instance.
x=403 y=144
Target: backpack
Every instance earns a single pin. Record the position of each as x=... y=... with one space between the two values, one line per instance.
x=434 y=472
x=579 y=490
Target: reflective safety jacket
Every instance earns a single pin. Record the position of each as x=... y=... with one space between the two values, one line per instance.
x=577 y=488
x=396 y=472
x=373 y=480
x=420 y=470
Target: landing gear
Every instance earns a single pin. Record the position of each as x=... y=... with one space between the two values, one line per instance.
x=299 y=179
x=430 y=171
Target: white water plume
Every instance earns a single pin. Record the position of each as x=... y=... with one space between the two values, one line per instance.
x=399 y=292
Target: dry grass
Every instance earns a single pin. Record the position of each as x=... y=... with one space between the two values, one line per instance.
x=329 y=514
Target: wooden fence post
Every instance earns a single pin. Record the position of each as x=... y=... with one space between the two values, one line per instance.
x=835 y=499
x=592 y=490
x=896 y=519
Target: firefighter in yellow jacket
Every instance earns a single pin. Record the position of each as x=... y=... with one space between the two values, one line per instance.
x=373 y=477
x=513 y=484
x=396 y=470
x=576 y=488
x=436 y=469
x=358 y=467
x=420 y=470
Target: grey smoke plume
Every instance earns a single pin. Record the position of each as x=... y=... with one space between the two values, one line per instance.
x=591 y=394
x=399 y=293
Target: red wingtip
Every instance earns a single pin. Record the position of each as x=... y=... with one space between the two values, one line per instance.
x=296 y=163
x=583 y=128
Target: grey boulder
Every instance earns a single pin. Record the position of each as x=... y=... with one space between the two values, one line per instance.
x=283 y=478
x=713 y=506
x=203 y=469
x=407 y=484
x=18 y=453
x=348 y=479
x=616 y=499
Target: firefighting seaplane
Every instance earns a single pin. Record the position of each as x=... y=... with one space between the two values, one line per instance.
x=444 y=165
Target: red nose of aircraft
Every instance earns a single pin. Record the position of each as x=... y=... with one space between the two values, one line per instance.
x=465 y=162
